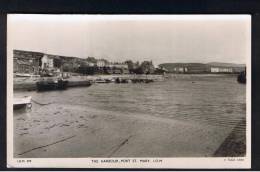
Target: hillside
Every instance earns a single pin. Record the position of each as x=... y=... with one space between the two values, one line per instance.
x=225 y=64
x=170 y=66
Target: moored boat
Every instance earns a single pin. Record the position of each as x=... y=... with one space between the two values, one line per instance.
x=81 y=83
x=26 y=75
x=122 y=81
x=242 y=77
x=52 y=84
x=136 y=80
x=103 y=81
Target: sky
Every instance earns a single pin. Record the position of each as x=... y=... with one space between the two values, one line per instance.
x=162 y=39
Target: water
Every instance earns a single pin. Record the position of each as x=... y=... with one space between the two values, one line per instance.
x=208 y=99
x=183 y=109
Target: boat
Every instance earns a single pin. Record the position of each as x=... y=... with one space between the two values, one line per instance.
x=23 y=75
x=51 y=84
x=83 y=83
x=103 y=81
x=136 y=80
x=23 y=102
x=241 y=78
x=122 y=81
x=148 y=80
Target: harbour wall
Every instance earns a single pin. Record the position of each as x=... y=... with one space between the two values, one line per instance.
x=29 y=83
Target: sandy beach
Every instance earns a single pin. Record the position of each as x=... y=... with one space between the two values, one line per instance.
x=112 y=135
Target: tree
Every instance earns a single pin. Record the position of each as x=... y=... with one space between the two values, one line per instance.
x=57 y=62
x=147 y=67
x=91 y=59
x=130 y=65
x=67 y=67
x=138 y=70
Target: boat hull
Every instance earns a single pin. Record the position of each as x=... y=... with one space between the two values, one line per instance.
x=22 y=106
x=79 y=84
x=51 y=85
x=22 y=103
x=241 y=78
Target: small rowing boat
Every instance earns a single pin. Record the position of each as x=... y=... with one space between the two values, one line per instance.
x=23 y=102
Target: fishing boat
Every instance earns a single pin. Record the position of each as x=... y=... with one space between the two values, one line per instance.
x=52 y=84
x=23 y=102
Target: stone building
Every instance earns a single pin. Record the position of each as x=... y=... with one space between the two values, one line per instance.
x=118 y=68
x=26 y=61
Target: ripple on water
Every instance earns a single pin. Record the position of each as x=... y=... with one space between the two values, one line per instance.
x=209 y=100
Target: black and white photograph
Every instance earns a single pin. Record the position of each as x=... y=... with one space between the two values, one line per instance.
x=129 y=91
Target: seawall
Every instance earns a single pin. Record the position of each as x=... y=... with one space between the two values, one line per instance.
x=235 y=144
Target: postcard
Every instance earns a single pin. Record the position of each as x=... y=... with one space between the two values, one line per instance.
x=129 y=91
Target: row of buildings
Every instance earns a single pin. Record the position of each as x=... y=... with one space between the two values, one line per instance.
x=40 y=63
x=203 y=68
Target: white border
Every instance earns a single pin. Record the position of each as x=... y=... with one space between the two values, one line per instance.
x=208 y=163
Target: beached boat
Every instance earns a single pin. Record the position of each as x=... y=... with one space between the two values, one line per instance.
x=51 y=84
x=23 y=102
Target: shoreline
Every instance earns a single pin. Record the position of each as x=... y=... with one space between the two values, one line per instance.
x=29 y=84
x=142 y=135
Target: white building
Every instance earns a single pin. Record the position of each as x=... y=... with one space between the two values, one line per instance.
x=101 y=63
x=90 y=64
x=180 y=69
x=47 y=62
x=221 y=70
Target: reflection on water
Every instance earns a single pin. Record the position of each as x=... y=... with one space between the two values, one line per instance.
x=208 y=99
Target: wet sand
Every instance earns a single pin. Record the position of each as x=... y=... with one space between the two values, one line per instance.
x=111 y=135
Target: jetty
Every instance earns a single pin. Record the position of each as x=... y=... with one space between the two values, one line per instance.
x=49 y=83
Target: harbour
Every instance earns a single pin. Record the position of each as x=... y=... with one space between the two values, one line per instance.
x=116 y=120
